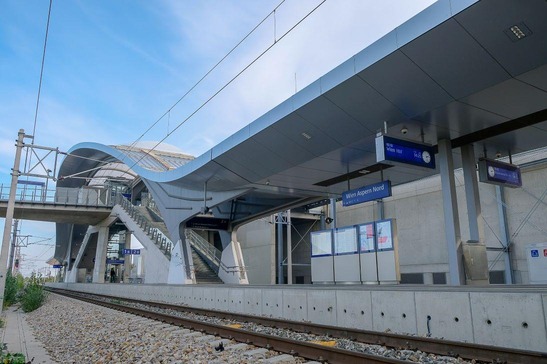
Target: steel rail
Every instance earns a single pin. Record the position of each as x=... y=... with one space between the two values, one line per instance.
x=293 y=347
x=469 y=351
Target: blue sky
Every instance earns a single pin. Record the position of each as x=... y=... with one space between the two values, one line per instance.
x=113 y=68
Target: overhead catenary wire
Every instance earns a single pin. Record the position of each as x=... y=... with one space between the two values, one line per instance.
x=27 y=158
x=207 y=73
x=226 y=84
x=41 y=72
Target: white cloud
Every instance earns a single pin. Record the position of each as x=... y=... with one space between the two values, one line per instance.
x=331 y=35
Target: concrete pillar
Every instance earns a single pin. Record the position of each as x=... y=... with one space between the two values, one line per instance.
x=100 y=255
x=225 y=238
x=472 y=199
x=181 y=265
x=428 y=278
x=450 y=209
x=4 y=249
x=233 y=270
x=128 y=259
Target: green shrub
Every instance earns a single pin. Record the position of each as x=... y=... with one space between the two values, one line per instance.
x=11 y=290
x=33 y=295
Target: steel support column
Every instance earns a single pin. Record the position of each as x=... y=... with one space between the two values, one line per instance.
x=504 y=234
x=280 y=276
x=289 y=248
x=450 y=209
x=472 y=199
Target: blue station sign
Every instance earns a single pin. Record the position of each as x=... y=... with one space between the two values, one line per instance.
x=57 y=266
x=390 y=150
x=499 y=173
x=131 y=252
x=115 y=261
x=367 y=193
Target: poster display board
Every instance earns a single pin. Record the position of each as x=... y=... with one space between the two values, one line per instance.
x=384 y=235
x=321 y=243
x=346 y=259
x=536 y=255
x=367 y=257
x=366 y=238
x=322 y=260
x=388 y=252
x=345 y=240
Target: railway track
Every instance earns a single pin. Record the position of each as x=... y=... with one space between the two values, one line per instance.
x=168 y=313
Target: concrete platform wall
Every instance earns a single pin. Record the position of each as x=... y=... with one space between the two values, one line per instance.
x=511 y=317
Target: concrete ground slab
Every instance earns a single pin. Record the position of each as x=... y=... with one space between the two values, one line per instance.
x=19 y=338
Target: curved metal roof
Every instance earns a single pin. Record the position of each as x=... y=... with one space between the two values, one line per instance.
x=454 y=71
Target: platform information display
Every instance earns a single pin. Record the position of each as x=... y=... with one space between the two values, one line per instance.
x=499 y=173
x=384 y=235
x=366 y=238
x=398 y=151
x=131 y=252
x=321 y=243
x=345 y=240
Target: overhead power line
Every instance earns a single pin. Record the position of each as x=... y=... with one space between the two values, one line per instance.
x=227 y=84
x=41 y=72
x=208 y=73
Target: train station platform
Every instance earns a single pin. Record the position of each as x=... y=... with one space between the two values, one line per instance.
x=499 y=315
x=19 y=338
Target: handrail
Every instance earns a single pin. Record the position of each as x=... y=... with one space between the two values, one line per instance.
x=61 y=195
x=215 y=255
x=156 y=235
x=199 y=243
x=204 y=247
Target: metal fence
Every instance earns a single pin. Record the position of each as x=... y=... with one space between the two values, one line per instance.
x=60 y=195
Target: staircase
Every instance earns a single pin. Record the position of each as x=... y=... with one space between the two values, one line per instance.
x=204 y=274
x=203 y=253
x=150 y=228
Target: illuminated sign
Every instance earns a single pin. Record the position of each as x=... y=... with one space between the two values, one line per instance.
x=131 y=252
x=397 y=151
x=499 y=173
x=367 y=193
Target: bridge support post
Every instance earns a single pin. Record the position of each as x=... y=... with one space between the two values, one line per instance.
x=232 y=269
x=9 y=216
x=100 y=255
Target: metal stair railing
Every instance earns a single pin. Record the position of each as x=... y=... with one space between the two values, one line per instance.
x=203 y=247
x=155 y=234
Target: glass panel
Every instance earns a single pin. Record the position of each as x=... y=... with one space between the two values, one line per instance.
x=321 y=243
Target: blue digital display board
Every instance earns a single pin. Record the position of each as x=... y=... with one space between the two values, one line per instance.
x=131 y=252
x=391 y=151
x=499 y=173
x=367 y=193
